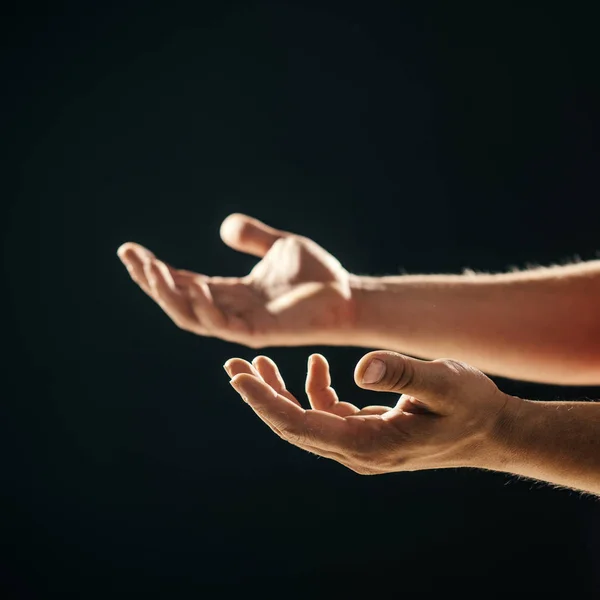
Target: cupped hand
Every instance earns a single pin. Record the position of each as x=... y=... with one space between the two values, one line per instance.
x=448 y=413
x=297 y=294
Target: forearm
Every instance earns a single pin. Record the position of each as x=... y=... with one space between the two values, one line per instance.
x=540 y=325
x=556 y=442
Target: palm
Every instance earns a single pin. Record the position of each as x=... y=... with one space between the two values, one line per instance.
x=327 y=418
x=297 y=294
x=298 y=290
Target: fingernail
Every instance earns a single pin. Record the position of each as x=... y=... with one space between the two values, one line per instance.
x=226 y=367
x=375 y=371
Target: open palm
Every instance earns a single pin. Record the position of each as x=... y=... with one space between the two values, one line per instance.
x=447 y=413
x=297 y=294
x=339 y=430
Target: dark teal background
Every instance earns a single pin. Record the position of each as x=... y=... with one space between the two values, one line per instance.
x=425 y=137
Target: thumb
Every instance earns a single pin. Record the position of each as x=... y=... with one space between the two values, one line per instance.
x=246 y=234
x=429 y=382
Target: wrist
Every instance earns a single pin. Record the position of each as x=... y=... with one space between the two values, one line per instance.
x=365 y=311
x=505 y=440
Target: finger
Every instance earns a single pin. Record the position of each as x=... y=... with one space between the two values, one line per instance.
x=296 y=425
x=246 y=234
x=235 y=366
x=218 y=303
x=133 y=256
x=430 y=382
x=318 y=383
x=319 y=391
x=412 y=405
x=186 y=277
x=183 y=277
x=170 y=299
x=231 y=371
x=270 y=374
x=126 y=250
x=262 y=367
x=204 y=308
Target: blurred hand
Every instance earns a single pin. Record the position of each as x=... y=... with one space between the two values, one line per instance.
x=447 y=416
x=298 y=294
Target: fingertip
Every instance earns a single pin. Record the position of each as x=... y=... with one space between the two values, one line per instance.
x=249 y=235
x=361 y=366
x=319 y=362
x=127 y=251
x=237 y=379
x=131 y=250
x=257 y=363
x=227 y=366
x=240 y=380
x=235 y=216
x=232 y=225
x=250 y=385
x=122 y=250
x=370 y=369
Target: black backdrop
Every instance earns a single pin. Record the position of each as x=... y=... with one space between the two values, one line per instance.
x=425 y=138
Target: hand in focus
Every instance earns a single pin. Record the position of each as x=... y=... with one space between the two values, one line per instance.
x=447 y=415
x=297 y=294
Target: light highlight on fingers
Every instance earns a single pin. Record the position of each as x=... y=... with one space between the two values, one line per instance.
x=296 y=425
x=236 y=366
x=203 y=306
x=247 y=234
x=135 y=267
x=168 y=296
x=318 y=384
x=270 y=374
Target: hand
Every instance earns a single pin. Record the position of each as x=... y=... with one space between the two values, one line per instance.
x=447 y=415
x=298 y=294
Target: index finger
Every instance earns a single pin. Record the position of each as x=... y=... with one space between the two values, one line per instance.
x=295 y=424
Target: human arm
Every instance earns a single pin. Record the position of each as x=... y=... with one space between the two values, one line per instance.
x=557 y=442
x=449 y=415
x=539 y=325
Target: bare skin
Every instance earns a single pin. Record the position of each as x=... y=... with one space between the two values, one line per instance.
x=298 y=294
x=542 y=325
x=539 y=325
x=449 y=414
x=444 y=427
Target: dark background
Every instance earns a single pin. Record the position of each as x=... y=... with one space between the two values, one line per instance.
x=425 y=137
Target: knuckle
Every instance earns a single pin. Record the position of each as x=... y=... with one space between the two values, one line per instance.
x=451 y=365
x=401 y=376
x=452 y=372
